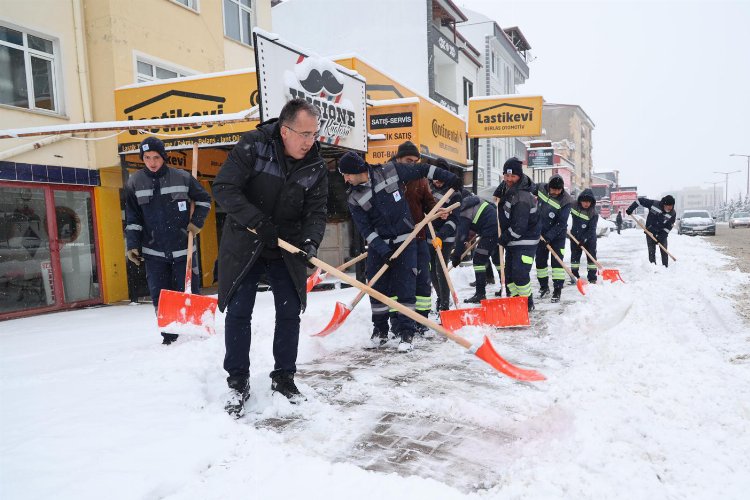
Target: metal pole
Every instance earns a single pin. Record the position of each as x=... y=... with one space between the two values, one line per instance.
x=726 y=180
x=475 y=155
x=747 y=188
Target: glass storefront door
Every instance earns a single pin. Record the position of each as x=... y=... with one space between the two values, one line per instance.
x=48 y=257
x=74 y=213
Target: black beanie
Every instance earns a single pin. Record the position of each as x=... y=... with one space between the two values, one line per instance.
x=513 y=166
x=407 y=149
x=668 y=200
x=556 y=182
x=152 y=144
x=352 y=163
x=442 y=163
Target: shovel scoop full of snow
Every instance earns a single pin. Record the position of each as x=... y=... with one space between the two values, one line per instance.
x=186 y=313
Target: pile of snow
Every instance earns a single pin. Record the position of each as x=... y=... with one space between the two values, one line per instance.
x=648 y=396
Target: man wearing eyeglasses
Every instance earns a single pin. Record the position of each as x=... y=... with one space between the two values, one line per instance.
x=274 y=182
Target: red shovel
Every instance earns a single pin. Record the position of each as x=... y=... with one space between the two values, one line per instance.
x=485 y=351
x=184 y=312
x=318 y=275
x=611 y=275
x=580 y=283
x=341 y=312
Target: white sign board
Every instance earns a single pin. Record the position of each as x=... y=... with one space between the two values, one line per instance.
x=286 y=72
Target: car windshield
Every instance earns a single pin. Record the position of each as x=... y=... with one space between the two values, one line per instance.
x=697 y=213
x=741 y=214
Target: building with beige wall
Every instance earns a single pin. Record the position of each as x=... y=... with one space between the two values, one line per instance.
x=572 y=128
x=60 y=62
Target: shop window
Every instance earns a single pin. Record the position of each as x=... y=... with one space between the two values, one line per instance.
x=238 y=20
x=28 y=70
x=149 y=70
x=25 y=264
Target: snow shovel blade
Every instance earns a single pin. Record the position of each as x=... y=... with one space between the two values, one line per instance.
x=612 y=275
x=186 y=313
x=314 y=279
x=489 y=355
x=508 y=311
x=339 y=316
x=455 y=319
x=581 y=285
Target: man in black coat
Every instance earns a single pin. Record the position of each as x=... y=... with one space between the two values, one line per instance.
x=660 y=220
x=275 y=183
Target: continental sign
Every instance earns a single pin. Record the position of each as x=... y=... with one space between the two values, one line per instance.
x=436 y=131
x=212 y=95
x=505 y=116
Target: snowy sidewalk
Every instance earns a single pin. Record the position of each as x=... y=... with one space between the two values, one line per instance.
x=648 y=396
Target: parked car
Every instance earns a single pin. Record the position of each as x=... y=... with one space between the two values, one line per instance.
x=697 y=222
x=739 y=219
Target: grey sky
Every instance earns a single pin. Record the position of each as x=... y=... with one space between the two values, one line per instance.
x=667 y=83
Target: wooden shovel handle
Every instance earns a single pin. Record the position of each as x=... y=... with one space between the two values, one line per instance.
x=189 y=262
x=559 y=260
x=570 y=235
x=439 y=252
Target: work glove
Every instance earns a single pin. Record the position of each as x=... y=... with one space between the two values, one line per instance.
x=134 y=256
x=437 y=243
x=629 y=211
x=267 y=234
x=455 y=259
x=308 y=251
x=194 y=229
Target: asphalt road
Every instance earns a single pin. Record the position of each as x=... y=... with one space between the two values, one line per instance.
x=736 y=242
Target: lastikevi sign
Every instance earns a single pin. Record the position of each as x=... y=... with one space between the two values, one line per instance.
x=287 y=72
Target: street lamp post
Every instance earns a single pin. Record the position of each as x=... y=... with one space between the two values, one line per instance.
x=747 y=189
x=714 y=198
x=726 y=180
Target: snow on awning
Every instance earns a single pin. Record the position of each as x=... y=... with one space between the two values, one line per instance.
x=240 y=116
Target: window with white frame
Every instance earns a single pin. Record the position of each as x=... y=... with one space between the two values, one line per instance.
x=238 y=20
x=190 y=4
x=28 y=70
x=468 y=91
x=149 y=70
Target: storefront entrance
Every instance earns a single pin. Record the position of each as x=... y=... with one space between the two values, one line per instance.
x=48 y=254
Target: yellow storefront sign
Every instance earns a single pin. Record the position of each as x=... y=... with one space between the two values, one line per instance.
x=194 y=97
x=505 y=116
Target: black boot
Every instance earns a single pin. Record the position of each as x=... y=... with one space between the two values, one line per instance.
x=406 y=342
x=499 y=293
x=283 y=383
x=476 y=298
x=543 y=291
x=556 y=294
x=473 y=283
x=168 y=338
x=239 y=392
x=531 y=303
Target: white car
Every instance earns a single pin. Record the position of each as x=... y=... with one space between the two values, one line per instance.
x=739 y=219
x=697 y=222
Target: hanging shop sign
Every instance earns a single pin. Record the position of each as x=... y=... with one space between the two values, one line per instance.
x=287 y=72
x=208 y=95
x=540 y=157
x=505 y=116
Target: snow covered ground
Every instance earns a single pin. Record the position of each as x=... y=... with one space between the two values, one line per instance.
x=648 y=396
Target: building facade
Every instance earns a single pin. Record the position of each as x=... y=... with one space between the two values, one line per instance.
x=61 y=238
x=572 y=128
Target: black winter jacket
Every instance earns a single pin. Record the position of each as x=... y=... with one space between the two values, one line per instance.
x=584 y=219
x=258 y=181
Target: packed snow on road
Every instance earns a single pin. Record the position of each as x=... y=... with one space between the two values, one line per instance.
x=647 y=396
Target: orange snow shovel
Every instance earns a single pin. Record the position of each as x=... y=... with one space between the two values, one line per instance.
x=652 y=237
x=486 y=352
x=580 y=283
x=184 y=312
x=611 y=275
x=342 y=311
x=318 y=275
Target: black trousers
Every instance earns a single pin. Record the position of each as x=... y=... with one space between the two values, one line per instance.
x=652 y=250
x=237 y=330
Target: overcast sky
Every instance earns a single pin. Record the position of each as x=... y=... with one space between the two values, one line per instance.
x=667 y=83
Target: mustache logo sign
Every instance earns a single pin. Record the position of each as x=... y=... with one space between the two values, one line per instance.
x=315 y=82
x=317 y=74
